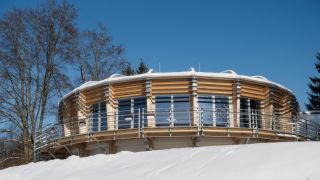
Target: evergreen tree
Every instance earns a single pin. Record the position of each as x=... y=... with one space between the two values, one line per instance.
x=142 y=68
x=314 y=85
x=128 y=70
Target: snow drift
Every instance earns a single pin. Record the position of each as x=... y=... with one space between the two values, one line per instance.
x=272 y=161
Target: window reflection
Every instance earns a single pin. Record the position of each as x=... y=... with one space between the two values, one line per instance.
x=99 y=116
x=250 y=113
x=128 y=112
x=214 y=110
x=174 y=110
x=163 y=108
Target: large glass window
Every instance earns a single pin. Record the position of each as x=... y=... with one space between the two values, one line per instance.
x=173 y=110
x=125 y=117
x=128 y=112
x=250 y=113
x=181 y=110
x=140 y=106
x=95 y=117
x=214 y=110
x=163 y=109
x=103 y=116
x=99 y=116
x=222 y=111
x=205 y=104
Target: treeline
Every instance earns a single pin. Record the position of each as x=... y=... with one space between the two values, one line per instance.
x=314 y=86
x=142 y=68
x=43 y=55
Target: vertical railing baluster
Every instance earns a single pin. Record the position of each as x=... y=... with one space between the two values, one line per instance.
x=198 y=121
x=115 y=119
x=139 y=123
x=143 y=117
x=273 y=119
x=201 y=120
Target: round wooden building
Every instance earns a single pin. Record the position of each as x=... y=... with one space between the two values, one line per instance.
x=161 y=110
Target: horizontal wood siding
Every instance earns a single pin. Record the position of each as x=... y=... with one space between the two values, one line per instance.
x=70 y=107
x=83 y=108
x=171 y=86
x=128 y=89
x=70 y=115
x=215 y=87
x=282 y=102
x=254 y=91
x=94 y=95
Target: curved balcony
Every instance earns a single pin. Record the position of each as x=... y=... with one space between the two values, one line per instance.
x=134 y=124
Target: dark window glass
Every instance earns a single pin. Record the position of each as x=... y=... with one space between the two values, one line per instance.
x=125 y=117
x=250 y=113
x=163 y=108
x=95 y=117
x=99 y=117
x=172 y=109
x=103 y=113
x=256 y=119
x=128 y=112
x=244 y=112
x=205 y=104
x=222 y=111
x=214 y=109
x=181 y=110
x=140 y=105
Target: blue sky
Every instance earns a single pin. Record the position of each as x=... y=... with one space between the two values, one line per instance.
x=277 y=38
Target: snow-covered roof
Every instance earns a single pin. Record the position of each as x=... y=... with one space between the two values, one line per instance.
x=227 y=74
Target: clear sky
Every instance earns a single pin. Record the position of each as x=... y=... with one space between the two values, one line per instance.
x=276 y=38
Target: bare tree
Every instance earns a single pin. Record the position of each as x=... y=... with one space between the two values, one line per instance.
x=36 y=44
x=97 y=56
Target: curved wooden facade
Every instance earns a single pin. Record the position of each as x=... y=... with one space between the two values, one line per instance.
x=215 y=108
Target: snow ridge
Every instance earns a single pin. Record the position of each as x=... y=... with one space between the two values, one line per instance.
x=276 y=161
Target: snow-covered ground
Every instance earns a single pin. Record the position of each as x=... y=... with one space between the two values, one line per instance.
x=273 y=161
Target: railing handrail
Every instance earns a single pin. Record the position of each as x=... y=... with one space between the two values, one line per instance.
x=138 y=118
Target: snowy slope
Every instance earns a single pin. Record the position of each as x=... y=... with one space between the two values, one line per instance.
x=273 y=161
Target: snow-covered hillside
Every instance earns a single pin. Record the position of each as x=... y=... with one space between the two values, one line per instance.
x=273 y=161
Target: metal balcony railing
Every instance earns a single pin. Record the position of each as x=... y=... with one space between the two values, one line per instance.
x=174 y=118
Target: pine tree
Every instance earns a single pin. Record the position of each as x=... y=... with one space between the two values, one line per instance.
x=128 y=70
x=314 y=85
x=142 y=68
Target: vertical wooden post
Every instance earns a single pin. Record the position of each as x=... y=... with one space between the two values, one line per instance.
x=236 y=103
x=110 y=108
x=112 y=147
x=231 y=123
x=269 y=112
x=65 y=119
x=214 y=111
x=150 y=104
x=194 y=102
x=249 y=114
x=82 y=114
